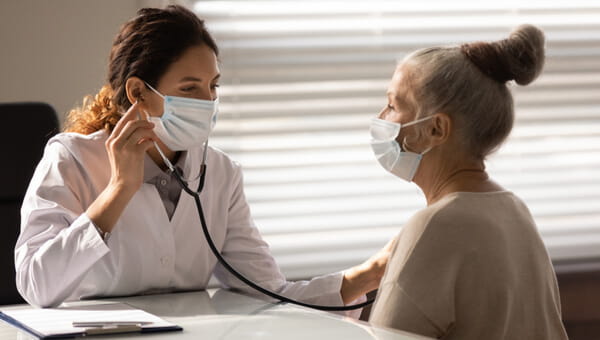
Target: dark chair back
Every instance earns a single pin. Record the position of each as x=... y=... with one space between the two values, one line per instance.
x=27 y=128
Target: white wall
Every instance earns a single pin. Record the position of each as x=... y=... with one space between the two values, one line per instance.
x=57 y=51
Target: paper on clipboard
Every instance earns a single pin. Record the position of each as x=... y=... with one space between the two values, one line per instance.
x=58 y=322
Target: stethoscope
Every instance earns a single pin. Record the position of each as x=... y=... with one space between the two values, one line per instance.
x=196 y=194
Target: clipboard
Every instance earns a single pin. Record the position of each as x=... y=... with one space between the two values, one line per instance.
x=85 y=320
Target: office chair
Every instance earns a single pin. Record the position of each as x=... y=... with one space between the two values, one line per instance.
x=26 y=129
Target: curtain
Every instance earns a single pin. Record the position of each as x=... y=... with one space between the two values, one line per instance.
x=302 y=79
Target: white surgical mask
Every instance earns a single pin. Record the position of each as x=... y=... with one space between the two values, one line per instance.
x=388 y=152
x=185 y=122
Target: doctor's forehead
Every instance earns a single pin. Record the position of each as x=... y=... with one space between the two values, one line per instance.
x=197 y=63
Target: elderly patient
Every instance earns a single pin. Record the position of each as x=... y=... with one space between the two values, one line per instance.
x=471 y=265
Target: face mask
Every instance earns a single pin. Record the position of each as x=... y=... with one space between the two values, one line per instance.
x=392 y=158
x=185 y=122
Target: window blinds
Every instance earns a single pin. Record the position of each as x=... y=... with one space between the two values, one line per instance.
x=302 y=79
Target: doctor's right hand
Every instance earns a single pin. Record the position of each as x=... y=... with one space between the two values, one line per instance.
x=361 y=279
x=126 y=147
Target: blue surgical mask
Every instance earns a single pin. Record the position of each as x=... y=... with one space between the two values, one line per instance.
x=388 y=152
x=185 y=122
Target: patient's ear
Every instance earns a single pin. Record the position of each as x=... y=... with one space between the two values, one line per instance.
x=135 y=89
x=439 y=128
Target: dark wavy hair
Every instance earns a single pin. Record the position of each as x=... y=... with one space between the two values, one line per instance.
x=144 y=47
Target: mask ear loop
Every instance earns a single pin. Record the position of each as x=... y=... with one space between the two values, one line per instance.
x=405 y=149
x=417 y=121
x=155 y=90
x=404 y=144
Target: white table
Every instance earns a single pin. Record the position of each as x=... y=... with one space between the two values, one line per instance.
x=222 y=314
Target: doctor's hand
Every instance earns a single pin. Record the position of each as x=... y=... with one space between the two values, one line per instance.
x=366 y=277
x=126 y=147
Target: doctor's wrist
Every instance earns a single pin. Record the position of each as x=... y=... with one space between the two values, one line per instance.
x=358 y=281
x=106 y=210
x=120 y=188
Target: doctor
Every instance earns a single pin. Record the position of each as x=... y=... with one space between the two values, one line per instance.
x=103 y=217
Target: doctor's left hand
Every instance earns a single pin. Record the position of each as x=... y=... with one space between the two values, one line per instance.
x=366 y=277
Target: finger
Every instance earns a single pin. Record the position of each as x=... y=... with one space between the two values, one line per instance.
x=130 y=128
x=145 y=117
x=144 y=145
x=391 y=243
x=152 y=138
x=140 y=135
x=130 y=115
x=133 y=125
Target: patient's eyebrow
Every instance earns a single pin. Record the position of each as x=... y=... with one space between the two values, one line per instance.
x=396 y=100
x=392 y=98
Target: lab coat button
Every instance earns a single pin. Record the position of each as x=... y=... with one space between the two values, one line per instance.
x=163 y=182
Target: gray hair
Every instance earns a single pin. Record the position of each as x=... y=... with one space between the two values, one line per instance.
x=469 y=83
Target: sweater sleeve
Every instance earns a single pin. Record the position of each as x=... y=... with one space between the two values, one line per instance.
x=417 y=292
x=396 y=309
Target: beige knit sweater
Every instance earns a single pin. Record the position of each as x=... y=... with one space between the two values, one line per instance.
x=471 y=266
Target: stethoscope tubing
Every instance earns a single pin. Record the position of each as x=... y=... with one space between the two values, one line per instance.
x=215 y=251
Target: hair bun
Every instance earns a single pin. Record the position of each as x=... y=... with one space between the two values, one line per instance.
x=519 y=58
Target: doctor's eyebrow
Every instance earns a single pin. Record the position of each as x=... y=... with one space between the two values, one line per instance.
x=184 y=79
x=189 y=78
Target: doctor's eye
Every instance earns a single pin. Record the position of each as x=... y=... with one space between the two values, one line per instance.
x=188 y=89
x=215 y=86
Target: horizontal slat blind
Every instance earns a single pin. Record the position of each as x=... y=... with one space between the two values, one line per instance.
x=301 y=80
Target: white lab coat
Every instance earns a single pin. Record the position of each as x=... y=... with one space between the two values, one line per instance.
x=60 y=255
